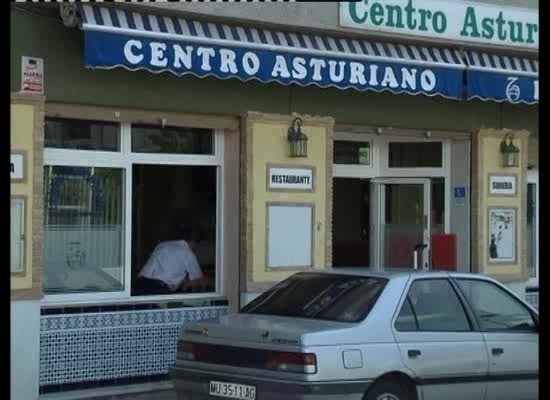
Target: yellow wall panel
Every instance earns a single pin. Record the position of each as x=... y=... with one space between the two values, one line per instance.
x=22 y=140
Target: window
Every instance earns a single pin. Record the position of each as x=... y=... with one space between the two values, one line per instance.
x=83 y=229
x=415 y=155
x=167 y=201
x=352 y=152
x=171 y=140
x=496 y=310
x=81 y=135
x=342 y=298
x=438 y=205
x=117 y=200
x=406 y=321
x=434 y=306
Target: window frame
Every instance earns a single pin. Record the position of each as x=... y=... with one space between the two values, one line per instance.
x=125 y=159
x=473 y=326
x=533 y=179
x=379 y=166
x=511 y=295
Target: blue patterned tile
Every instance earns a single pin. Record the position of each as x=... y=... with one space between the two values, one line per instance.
x=90 y=347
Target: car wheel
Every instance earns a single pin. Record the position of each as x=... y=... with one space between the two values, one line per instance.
x=391 y=390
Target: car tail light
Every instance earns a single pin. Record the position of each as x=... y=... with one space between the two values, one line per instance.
x=305 y=363
x=192 y=351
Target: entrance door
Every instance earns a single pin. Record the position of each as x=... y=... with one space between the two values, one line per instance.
x=403 y=213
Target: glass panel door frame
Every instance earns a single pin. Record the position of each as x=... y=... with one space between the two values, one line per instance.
x=533 y=178
x=379 y=214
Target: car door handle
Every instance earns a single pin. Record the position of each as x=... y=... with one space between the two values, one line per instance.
x=497 y=351
x=414 y=353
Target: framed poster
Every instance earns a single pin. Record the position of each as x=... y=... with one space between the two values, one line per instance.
x=289 y=238
x=18 y=166
x=502 y=235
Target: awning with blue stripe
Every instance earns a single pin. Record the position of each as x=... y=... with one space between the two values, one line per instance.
x=122 y=38
x=500 y=78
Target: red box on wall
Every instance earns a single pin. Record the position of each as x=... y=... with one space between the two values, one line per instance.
x=443 y=248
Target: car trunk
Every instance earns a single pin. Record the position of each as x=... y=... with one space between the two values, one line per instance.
x=247 y=329
x=259 y=342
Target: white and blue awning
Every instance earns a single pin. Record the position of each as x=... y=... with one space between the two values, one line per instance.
x=121 y=38
x=502 y=78
x=135 y=41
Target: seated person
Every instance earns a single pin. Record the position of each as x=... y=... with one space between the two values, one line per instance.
x=172 y=267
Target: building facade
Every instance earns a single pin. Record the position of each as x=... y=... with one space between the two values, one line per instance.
x=422 y=150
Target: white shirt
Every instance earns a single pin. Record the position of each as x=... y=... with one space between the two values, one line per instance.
x=170 y=262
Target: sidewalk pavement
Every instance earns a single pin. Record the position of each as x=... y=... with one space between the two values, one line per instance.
x=157 y=395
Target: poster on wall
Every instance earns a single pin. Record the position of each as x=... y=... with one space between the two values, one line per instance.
x=502 y=235
x=32 y=75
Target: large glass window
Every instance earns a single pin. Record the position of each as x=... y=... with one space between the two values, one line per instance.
x=131 y=221
x=83 y=229
x=171 y=140
x=415 y=154
x=77 y=134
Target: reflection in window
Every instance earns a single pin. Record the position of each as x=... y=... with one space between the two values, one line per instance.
x=496 y=309
x=81 y=134
x=343 y=298
x=83 y=229
x=352 y=152
x=436 y=307
x=174 y=140
x=173 y=229
x=415 y=155
x=406 y=321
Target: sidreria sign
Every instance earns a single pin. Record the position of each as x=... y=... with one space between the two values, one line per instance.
x=448 y=20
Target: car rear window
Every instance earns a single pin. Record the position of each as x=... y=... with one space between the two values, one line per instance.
x=342 y=298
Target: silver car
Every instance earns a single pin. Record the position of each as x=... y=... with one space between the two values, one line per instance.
x=365 y=336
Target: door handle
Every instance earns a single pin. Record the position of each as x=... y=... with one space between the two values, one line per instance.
x=497 y=351
x=414 y=353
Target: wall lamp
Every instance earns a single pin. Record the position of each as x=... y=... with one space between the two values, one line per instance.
x=509 y=152
x=297 y=140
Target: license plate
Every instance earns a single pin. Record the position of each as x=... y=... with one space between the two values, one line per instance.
x=232 y=390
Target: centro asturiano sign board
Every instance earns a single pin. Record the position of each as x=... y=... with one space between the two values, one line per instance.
x=445 y=20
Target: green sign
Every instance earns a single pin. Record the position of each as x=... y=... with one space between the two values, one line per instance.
x=446 y=20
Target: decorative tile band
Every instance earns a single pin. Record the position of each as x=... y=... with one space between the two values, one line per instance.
x=91 y=347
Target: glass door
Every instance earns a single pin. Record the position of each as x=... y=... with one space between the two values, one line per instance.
x=403 y=215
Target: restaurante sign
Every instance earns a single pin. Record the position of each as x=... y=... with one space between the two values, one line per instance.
x=448 y=20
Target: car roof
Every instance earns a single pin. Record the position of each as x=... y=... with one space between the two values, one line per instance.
x=398 y=273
